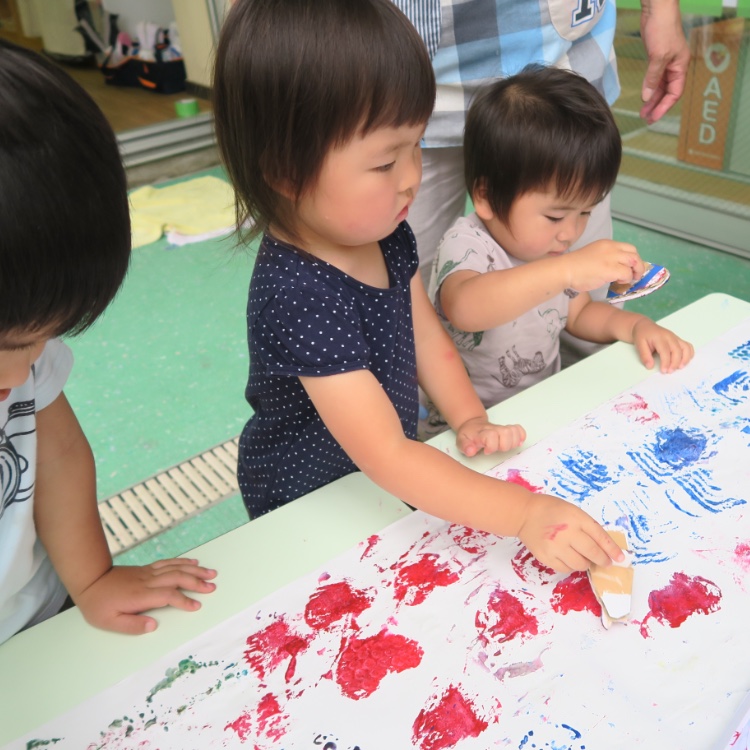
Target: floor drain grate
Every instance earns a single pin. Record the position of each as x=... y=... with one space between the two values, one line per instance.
x=161 y=502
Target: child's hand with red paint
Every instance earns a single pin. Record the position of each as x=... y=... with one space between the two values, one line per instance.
x=562 y=536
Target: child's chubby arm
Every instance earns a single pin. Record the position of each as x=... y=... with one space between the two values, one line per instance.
x=443 y=377
x=602 y=322
x=359 y=414
x=479 y=301
x=68 y=524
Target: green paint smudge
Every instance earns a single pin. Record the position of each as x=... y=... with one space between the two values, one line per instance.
x=186 y=666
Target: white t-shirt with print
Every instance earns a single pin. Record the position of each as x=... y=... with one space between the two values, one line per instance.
x=508 y=359
x=30 y=590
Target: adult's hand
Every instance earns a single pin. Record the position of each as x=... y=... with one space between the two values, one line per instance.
x=668 y=57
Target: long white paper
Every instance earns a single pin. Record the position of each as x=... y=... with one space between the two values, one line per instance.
x=431 y=635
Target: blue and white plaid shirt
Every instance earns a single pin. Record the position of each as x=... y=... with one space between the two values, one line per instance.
x=474 y=41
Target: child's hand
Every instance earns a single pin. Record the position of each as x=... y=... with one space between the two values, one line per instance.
x=562 y=536
x=601 y=263
x=478 y=434
x=115 y=601
x=648 y=337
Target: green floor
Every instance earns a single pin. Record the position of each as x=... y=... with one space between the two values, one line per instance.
x=161 y=377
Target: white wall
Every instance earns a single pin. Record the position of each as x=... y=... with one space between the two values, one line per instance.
x=132 y=11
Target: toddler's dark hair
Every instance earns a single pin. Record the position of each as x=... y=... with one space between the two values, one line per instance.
x=64 y=218
x=542 y=127
x=295 y=78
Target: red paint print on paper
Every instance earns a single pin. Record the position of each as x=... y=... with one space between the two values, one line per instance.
x=333 y=602
x=371 y=544
x=268 y=648
x=515 y=476
x=529 y=569
x=574 y=594
x=682 y=597
x=414 y=582
x=449 y=720
x=469 y=540
x=267 y=722
x=506 y=618
x=364 y=662
x=635 y=406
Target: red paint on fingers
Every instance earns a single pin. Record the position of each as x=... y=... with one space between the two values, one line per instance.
x=552 y=531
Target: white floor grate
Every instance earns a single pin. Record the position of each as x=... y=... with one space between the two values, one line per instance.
x=166 y=499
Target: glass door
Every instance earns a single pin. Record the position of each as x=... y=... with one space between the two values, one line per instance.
x=689 y=173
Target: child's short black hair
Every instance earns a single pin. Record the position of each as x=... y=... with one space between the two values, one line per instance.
x=544 y=126
x=64 y=219
x=295 y=78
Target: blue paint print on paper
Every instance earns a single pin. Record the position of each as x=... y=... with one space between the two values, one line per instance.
x=674 y=449
x=735 y=388
x=741 y=352
x=565 y=738
x=678 y=448
x=698 y=488
x=642 y=531
x=583 y=476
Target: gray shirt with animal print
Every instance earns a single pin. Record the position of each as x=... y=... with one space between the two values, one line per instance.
x=504 y=360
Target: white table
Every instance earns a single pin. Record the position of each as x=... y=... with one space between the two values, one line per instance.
x=51 y=668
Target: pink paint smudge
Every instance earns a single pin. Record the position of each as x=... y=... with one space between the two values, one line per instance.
x=270 y=646
x=574 y=594
x=742 y=556
x=364 y=662
x=469 y=540
x=268 y=722
x=682 y=597
x=449 y=720
x=414 y=582
x=515 y=476
x=333 y=602
x=506 y=618
x=633 y=406
x=372 y=542
x=529 y=569
x=554 y=530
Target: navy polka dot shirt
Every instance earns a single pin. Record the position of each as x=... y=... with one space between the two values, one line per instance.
x=307 y=318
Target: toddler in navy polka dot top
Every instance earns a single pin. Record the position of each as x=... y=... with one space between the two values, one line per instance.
x=320 y=107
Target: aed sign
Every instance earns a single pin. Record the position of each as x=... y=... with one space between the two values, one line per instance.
x=707 y=101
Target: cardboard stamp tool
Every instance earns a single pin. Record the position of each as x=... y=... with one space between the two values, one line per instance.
x=613 y=584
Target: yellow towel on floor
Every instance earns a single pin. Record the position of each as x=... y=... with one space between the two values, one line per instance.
x=193 y=207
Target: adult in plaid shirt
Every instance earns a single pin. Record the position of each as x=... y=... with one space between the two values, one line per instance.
x=474 y=41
